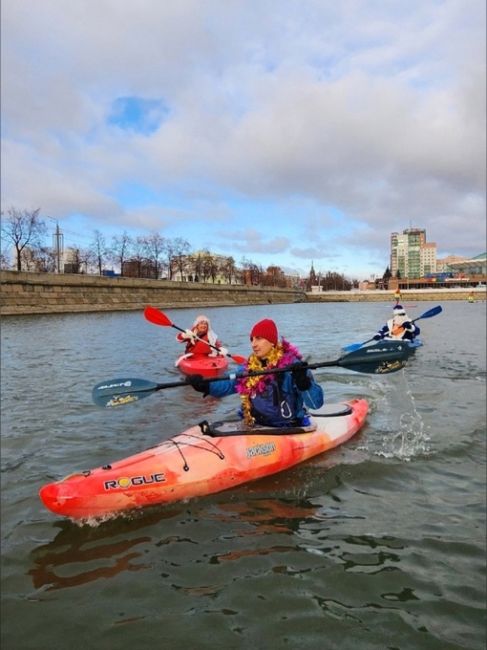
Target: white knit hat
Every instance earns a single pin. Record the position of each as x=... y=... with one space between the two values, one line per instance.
x=399 y=310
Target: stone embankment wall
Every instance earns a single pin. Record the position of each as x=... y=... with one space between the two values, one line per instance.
x=408 y=295
x=50 y=293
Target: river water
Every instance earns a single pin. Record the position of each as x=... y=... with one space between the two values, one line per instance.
x=377 y=544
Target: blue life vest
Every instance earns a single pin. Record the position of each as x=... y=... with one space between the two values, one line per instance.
x=273 y=407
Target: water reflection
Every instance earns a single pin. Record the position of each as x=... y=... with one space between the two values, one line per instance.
x=82 y=554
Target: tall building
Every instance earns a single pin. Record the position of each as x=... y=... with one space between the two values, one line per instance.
x=427 y=259
x=411 y=255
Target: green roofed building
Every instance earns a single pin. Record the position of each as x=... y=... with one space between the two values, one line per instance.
x=473 y=266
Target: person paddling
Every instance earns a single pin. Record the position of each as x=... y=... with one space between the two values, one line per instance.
x=278 y=400
x=200 y=338
x=398 y=327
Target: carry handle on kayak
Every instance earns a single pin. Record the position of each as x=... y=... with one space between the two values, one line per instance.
x=381 y=359
x=157 y=317
x=427 y=314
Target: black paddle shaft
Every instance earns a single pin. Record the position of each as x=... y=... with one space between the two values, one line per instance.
x=382 y=358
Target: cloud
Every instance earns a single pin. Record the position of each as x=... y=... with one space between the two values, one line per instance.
x=353 y=119
x=252 y=241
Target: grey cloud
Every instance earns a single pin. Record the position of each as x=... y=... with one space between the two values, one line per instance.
x=251 y=241
x=376 y=109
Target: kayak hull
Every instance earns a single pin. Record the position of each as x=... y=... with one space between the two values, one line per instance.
x=192 y=464
x=204 y=365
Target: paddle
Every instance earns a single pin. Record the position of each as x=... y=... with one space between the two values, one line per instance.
x=158 y=317
x=382 y=358
x=427 y=314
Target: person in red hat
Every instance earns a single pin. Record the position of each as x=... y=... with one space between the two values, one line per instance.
x=273 y=400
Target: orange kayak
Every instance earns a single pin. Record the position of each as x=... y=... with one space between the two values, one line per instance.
x=202 y=460
x=202 y=364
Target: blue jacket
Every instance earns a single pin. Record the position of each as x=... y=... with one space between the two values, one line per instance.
x=281 y=404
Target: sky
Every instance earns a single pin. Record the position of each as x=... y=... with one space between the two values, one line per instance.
x=284 y=132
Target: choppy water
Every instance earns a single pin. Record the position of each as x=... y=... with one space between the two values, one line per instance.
x=378 y=544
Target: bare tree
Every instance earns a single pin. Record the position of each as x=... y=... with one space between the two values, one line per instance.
x=207 y=265
x=197 y=267
x=23 y=228
x=170 y=262
x=252 y=273
x=138 y=256
x=42 y=259
x=213 y=267
x=119 y=251
x=274 y=277
x=334 y=281
x=5 y=256
x=4 y=261
x=178 y=256
x=228 y=269
x=155 y=246
x=99 y=249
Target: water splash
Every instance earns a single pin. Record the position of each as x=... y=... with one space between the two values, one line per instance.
x=411 y=440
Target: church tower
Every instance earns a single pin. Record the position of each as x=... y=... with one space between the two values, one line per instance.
x=312 y=277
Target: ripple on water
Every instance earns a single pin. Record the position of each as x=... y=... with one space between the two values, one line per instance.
x=380 y=542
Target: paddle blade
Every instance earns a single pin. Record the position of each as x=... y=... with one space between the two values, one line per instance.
x=380 y=359
x=118 y=392
x=237 y=358
x=431 y=312
x=352 y=347
x=156 y=316
x=378 y=367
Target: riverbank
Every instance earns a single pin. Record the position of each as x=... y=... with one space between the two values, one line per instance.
x=407 y=296
x=50 y=293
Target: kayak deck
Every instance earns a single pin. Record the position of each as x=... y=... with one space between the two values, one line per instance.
x=193 y=464
x=202 y=364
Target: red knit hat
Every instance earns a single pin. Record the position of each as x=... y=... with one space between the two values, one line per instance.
x=267 y=329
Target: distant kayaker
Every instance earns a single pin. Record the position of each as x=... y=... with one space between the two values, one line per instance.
x=198 y=337
x=269 y=400
x=398 y=327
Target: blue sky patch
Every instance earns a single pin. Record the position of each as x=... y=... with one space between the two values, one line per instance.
x=138 y=114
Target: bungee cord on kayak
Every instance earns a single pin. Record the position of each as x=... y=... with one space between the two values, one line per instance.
x=214 y=449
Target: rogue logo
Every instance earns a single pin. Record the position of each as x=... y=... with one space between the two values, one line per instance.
x=128 y=481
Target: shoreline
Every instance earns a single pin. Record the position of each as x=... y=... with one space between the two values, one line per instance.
x=24 y=293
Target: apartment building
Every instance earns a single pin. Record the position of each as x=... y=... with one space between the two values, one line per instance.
x=411 y=255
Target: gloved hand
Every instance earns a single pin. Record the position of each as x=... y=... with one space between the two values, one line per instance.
x=223 y=351
x=199 y=384
x=377 y=337
x=189 y=335
x=408 y=326
x=300 y=375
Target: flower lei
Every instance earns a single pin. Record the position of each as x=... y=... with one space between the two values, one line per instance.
x=281 y=355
